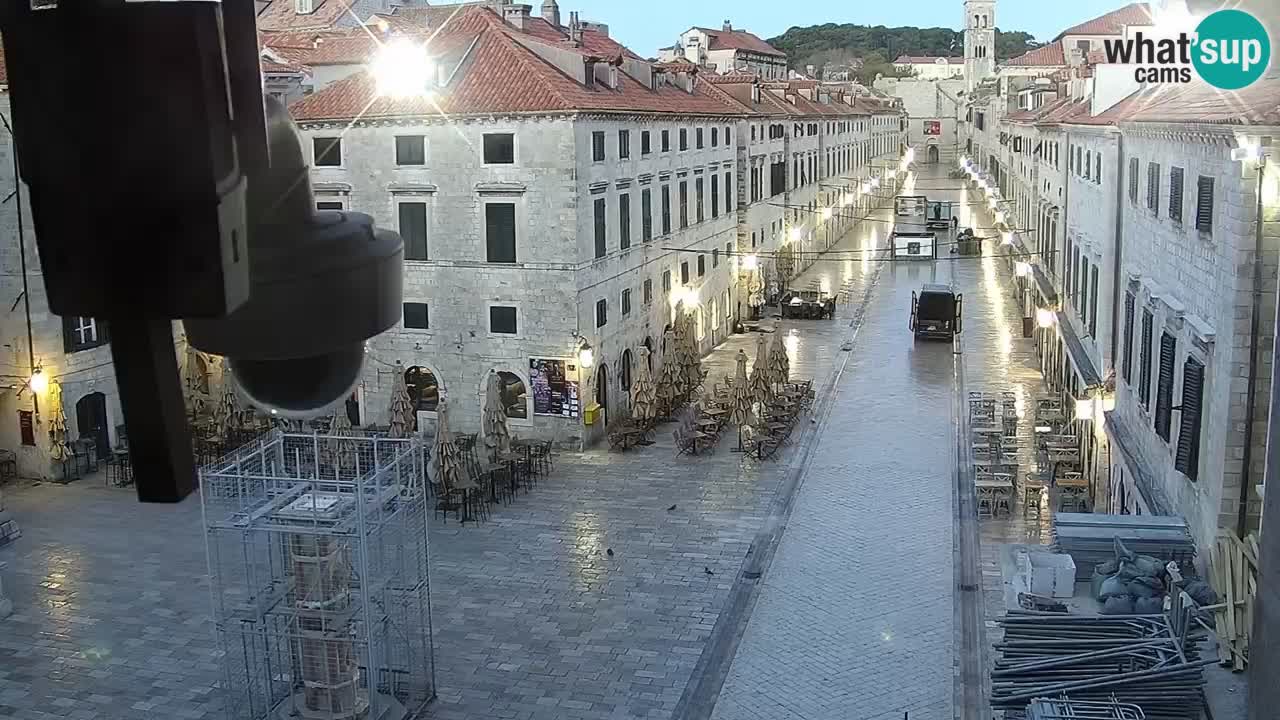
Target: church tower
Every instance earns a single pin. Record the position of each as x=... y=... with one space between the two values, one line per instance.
x=979 y=41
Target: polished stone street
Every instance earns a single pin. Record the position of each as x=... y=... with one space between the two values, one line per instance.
x=854 y=522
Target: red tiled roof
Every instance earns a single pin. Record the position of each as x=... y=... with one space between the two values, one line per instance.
x=923 y=59
x=1199 y=102
x=500 y=75
x=1112 y=23
x=283 y=15
x=738 y=40
x=4 y=70
x=1044 y=56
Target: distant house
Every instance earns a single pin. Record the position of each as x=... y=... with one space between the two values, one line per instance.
x=928 y=67
x=726 y=50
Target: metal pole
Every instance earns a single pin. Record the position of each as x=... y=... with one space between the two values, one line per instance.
x=1251 y=392
x=1264 y=652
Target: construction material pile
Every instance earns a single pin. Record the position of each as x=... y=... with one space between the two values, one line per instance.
x=1089 y=538
x=1135 y=659
x=1235 y=576
x=1133 y=584
x=1045 y=709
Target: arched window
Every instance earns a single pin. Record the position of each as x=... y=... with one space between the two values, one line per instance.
x=515 y=398
x=624 y=372
x=424 y=388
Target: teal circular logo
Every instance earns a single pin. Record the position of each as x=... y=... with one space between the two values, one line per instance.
x=1231 y=49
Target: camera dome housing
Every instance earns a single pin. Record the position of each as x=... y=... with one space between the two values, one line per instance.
x=320 y=285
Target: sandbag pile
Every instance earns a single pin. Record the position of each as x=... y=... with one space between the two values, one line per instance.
x=1088 y=537
x=1134 y=584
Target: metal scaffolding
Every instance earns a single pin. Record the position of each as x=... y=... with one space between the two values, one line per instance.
x=317 y=551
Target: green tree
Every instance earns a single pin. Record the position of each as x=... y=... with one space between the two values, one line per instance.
x=817 y=44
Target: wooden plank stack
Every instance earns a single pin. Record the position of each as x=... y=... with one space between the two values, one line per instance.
x=1234 y=576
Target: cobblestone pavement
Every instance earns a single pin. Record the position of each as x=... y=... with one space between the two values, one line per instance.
x=854 y=614
x=532 y=617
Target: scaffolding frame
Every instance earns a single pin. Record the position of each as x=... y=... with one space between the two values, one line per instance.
x=317 y=550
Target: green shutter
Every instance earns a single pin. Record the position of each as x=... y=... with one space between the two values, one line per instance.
x=1164 y=390
x=1187 y=458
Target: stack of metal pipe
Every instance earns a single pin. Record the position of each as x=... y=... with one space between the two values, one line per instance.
x=1048 y=709
x=1134 y=659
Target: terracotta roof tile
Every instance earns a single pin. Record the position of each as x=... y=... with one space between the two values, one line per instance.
x=1113 y=23
x=738 y=40
x=282 y=15
x=1050 y=55
x=1199 y=102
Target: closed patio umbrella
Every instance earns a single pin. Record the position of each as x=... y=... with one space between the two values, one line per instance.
x=643 y=393
x=227 y=415
x=761 y=388
x=497 y=437
x=668 y=389
x=740 y=405
x=400 y=413
x=195 y=381
x=690 y=358
x=779 y=364
x=341 y=449
x=447 y=457
x=59 y=450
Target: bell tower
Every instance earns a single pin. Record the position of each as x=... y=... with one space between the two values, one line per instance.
x=979 y=41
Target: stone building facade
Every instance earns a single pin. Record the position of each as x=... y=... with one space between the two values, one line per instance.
x=729 y=50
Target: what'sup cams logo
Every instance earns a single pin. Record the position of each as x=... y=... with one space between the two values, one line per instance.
x=1229 y=50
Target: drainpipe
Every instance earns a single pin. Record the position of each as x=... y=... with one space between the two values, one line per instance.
x=1254 y=321
x=1117 y=283
x=22 y=255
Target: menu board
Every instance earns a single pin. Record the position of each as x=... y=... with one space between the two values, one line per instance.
x=555 y=387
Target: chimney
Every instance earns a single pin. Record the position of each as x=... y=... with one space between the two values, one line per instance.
x=728 y=26
x=517 y=15
x=304 y=7
x=808 y=70
x=551 y=12
x=575 y=29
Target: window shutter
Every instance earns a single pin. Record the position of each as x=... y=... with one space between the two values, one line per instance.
x=1133 y=180
x=68 y=334
x=1127 y=364
x=1164 y=390
x=1187 y=458
x=1175 y=194
x=1144 y=358
x=1204 y=204
x=1093 y=295
x=1153 y=187
x=103 y=336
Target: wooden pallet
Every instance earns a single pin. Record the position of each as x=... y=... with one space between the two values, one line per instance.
x=1234 y=575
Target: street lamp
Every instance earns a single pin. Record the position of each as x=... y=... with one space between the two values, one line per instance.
x=751 y=262
x=402 y=69
x=586 y=355
x=1044 y=317
x=39 y=382
x=1022 y=269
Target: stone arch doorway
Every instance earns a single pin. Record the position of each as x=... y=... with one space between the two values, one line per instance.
x=602 y=393
x=91 y=421
x=933 y=155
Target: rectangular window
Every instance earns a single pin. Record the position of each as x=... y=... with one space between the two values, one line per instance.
x=1093 y=299
x=1084 y=290
x=666 y=141
x=715 y=193
x=1144 y=362
x=499 y=148
x=684 y=139
x=1133 y=180
x=715 y=258
x=684 y=204
x=702 y=265
x=601 y=235
x=413 y=228
x=411 y=150
x=1127 y=363
x=602 y=312
x=1175 y=198
x=697 y=135
x=647 y=293
x=624 y=221
x=666 y=281
x=328 y=151
x=684 y=273
x=646 y=215
x=1187 y=458
x=624 y=144
x=330 y=205
x=777 y=178
x=1164 y=386
x=1153 y=187
x=1097 y=169
x=697 y=191
x=415 y=316
x=666 y=209
x=626 y=302
x=500 y=232
x=714 y=137
x=730 y=194
x=502 y=320
x=82 y=333
x=1204 y=206
x=646 y=146
x=597 y=146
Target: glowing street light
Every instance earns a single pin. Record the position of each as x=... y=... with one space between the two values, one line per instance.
x=750 y=262
x=39 y=382
x=1044 y=317
x=402 y=69
x=795 y=234
x=1022 y=269
x=826 y=213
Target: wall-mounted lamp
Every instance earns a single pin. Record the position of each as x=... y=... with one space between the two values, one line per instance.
x=39 y=382
x=795 y=234
x=586 y=355
x=1045 y=317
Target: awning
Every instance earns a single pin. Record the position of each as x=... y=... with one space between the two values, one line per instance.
x=1075 y=350
x=1122 y=441
x=1046 y=287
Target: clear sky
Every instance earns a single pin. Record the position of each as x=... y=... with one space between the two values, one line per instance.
x=646 y=25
